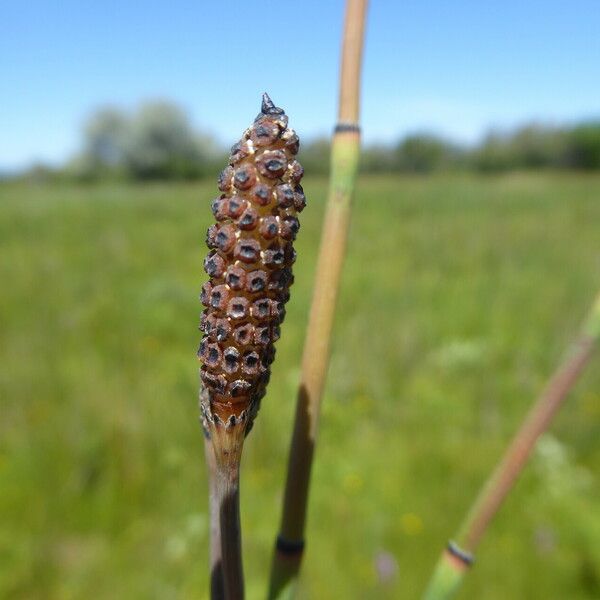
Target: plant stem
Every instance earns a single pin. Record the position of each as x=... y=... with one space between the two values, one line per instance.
x=217 y=591
x=448 y=575
x=450 y=569
x=223 y=448
x=344 y=163
x=228 y=499
x=538 y=420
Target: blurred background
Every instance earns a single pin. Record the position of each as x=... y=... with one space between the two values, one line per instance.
x=473 y=257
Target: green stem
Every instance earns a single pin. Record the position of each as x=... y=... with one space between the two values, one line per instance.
x=447 y=576
x=442 y=585
x=344 y=163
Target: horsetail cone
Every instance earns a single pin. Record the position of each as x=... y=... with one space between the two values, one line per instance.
x=250 y=269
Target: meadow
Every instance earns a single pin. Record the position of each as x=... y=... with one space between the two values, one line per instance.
x=459 y=297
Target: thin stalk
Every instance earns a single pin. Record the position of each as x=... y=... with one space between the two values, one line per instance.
x=344 y=163
x=457 y=557
x=217 y=591
x=223 y=449
x=228 y=498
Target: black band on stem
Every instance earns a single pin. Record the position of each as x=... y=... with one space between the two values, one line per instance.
x=466 y=557
x=289 y=547
x=347 y=127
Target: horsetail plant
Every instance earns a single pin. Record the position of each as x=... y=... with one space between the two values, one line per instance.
x=458 y=555
x=345 y=151
x=250 y=270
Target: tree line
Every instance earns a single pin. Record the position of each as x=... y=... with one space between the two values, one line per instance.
x=158 y=141
x=532 y=146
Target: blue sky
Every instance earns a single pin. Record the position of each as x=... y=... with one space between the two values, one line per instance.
x=457 y=67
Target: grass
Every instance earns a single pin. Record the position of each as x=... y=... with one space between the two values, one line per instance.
x=459 y=295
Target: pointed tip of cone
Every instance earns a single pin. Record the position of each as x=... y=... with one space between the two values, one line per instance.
x=267 y=103
x=268 y=107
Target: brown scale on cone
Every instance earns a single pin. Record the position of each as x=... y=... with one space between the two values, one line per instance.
x=250 y=269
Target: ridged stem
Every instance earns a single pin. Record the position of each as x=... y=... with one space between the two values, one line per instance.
x=447 y=577
x=223 y=456
x=217 y=591
x=448 y=574
x=228 y=495
x=344 y=162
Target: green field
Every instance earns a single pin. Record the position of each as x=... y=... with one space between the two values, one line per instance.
x=459 y=297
